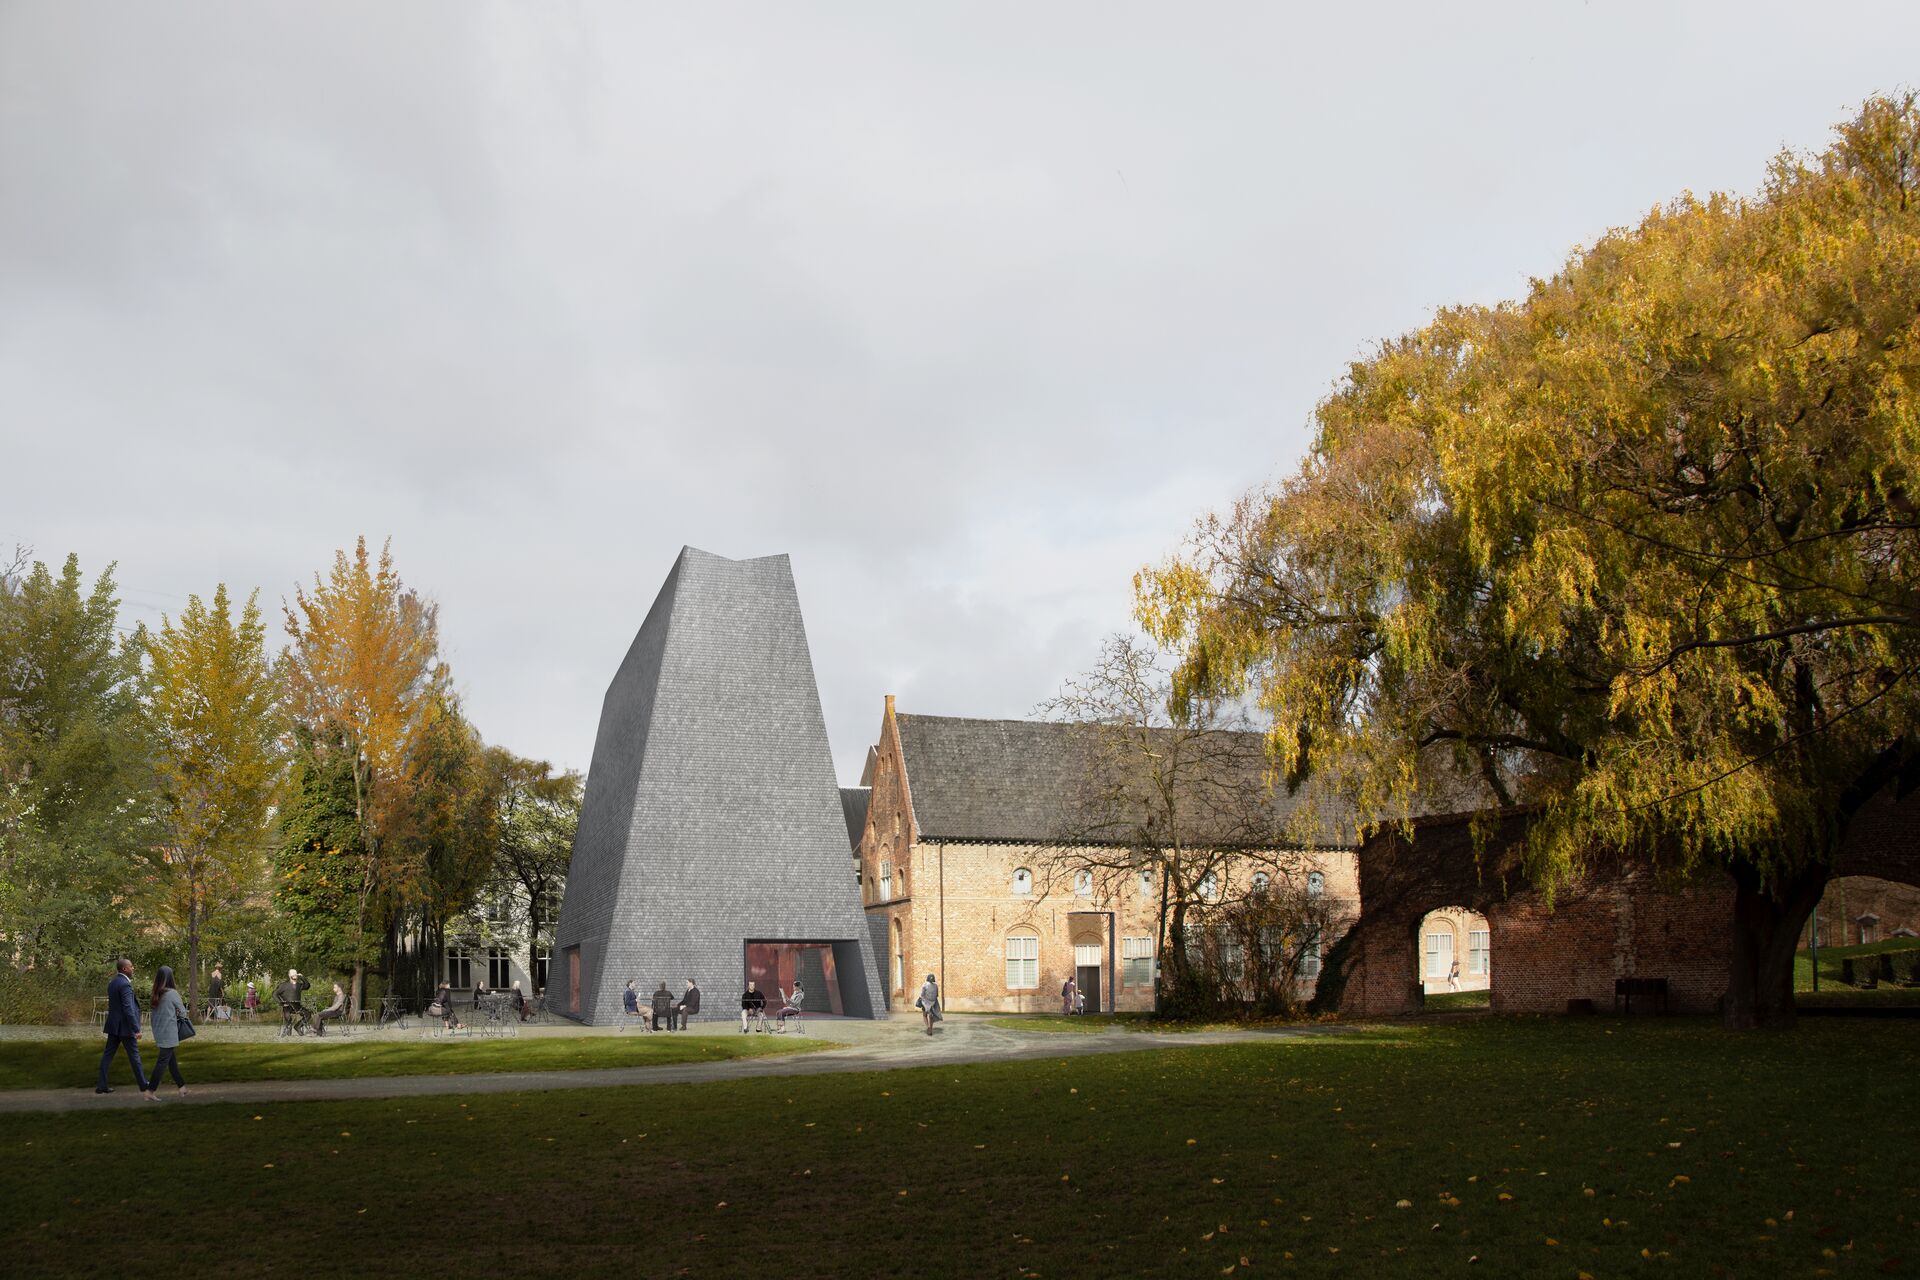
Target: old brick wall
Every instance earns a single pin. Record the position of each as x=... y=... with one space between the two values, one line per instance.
x=1616 y=924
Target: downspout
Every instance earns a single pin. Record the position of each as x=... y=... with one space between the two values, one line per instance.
x=943 y=915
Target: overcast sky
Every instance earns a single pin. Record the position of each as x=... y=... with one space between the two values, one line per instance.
x=970 y=308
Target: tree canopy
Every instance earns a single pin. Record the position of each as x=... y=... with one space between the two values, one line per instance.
x=1637 y=550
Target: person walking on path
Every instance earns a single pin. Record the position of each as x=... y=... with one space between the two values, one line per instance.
x=169 y=1011
x=689 y=1004
x=1453 y=977
x=123 y=1026
x=929 y=1002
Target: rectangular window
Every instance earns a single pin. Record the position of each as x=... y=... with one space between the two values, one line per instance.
x=1477 y=952
x=499 y=969
x=1023 y=964
x=1137 y=962
x=1439 y=954
x=1310 y=958
x=459 y=967
x=886 y=881
x=540 y=959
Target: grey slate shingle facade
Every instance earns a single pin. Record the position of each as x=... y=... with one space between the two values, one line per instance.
x=712 y=816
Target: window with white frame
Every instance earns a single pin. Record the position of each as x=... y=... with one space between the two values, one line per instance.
x=1260 y=881
x=1209 y=887
x=499 y=969
x=1136 y=956
x=1083 y=883
x=1146 y=882
x=1316 y=884
x=1310 y=957
x=1023 y=962
x=1477 y=952
x=886 y=881
x=459 y=967
x=541 y=955
x=1232 y=954
x=1022 y=881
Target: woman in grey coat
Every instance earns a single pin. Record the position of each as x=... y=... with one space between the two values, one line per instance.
x=929 y=1002
x=168 y=1010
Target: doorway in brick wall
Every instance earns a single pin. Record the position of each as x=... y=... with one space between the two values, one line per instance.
x=1455 y=960
x=776 y=967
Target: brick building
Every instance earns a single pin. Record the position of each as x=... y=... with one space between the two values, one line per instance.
x=956 y=833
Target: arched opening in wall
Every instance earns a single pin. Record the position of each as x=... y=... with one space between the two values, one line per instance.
x=1454 y=959
x=1863 y=937
x=899 y=963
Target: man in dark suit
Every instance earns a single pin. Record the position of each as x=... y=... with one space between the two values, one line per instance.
x=663 y=1007
x=689 y=1004
x=123 y=1027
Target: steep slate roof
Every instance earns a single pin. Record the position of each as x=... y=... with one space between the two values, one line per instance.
x=1012 y=780
x=853 y=802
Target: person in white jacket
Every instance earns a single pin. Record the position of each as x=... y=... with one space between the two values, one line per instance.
x=168 y=1011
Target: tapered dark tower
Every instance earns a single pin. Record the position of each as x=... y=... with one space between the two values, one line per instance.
x=713 y=841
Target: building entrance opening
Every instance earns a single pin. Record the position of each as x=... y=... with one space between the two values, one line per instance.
x=776 y=966
x=1455 y=956
x=1086 y=974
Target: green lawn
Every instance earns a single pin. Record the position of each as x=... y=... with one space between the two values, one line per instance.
x=1080 y=1022
x=1520 y=1147
x=1830 y=958
x=1456 y=1001
x=53 y=1064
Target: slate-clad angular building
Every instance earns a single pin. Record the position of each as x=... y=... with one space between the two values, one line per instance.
x=713 y=839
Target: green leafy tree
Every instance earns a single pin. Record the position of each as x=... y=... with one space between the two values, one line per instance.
x=74 y=782
x=320 y=864
x=537 y=813
x=213 y=718
x=1637 y=551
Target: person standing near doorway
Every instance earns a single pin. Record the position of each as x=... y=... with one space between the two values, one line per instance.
x=1067 y=992
x=1453 y=976
x=122 y=1027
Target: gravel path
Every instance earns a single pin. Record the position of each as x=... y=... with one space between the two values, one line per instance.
x=862 y=1046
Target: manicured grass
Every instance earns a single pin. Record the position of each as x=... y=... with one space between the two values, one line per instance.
x=1522 y=1147
x=54 y=1064
x=1455 y=1001
x=1830 y=958
x=1847 y=997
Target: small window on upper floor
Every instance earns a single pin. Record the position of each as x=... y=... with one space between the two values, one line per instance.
x=1146 y=882
x=1023 y=881
x=1260 y=881
x=886 y=881
x=1316 y=884
x=1083 y=883
x=1209 y=887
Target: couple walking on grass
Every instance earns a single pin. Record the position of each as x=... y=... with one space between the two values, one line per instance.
x=169 y=1023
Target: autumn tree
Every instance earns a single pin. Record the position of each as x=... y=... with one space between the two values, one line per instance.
x=364 y=675
x=212 y=716
x=1170 y=789
x=1637 y=552
x=74 y=784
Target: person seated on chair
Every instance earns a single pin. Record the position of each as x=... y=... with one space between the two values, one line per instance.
x=662 y=1007
x=630 y=1005
x=689 y=1004
x=295 y=1014
x=791 y=1004
x=519 y=1000
x=251 y=1001
x=335 y=1010
x=753 y=1004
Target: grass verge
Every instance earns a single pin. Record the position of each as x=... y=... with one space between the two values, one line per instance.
x=1486 y=1147
x=55 y=1064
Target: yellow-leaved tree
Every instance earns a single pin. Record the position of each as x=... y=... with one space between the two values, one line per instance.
x=364 y=677
x=212 y=708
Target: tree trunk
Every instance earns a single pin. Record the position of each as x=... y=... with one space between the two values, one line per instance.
x=1766 y=934
x=193 y=942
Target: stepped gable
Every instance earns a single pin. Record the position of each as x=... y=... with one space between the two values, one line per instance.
x=712 y=818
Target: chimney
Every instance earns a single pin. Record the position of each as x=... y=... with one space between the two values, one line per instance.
x=889 y=706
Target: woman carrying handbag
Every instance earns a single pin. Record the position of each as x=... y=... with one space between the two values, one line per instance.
x=170 y=1026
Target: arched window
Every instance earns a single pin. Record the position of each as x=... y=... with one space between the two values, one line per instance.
x=1260 y=881
x=1022 y=881
x=1083 y=883
x=1146 y=882
x=1316 y=884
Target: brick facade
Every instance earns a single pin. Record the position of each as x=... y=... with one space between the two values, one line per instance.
x=1618 y=923
x=949 y=907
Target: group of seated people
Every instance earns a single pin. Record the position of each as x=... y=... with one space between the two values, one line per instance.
x=295 y=1016
x=753 y=1006
x=676 y=1013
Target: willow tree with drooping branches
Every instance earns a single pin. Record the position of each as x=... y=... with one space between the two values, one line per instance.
x=1637 y=551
